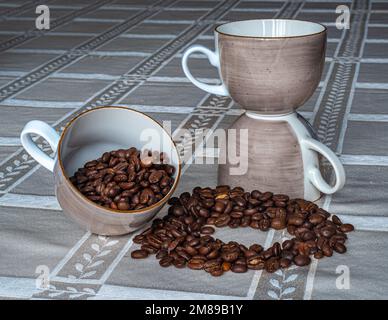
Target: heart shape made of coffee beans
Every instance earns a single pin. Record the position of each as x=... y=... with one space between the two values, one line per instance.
x=184 y=236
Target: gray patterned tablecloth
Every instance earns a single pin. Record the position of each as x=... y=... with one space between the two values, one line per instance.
x=127 y=52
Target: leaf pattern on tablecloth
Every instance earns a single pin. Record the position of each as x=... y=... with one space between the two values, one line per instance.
x=87 y=266
x=282 y=280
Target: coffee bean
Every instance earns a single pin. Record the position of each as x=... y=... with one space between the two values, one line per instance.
x=327 y=250
x=196 y=264
x=230 y=256
x=222 y=220
x=161 y=254
x=347 y=227
x=150 y=249
x=226 y=266
x=295 y=220
x=236 y=214
x=138 y=239
x=284 y=263
x=288 y=244
x=123 y=205
x=250 y=253
x=207 y=230
x=166 y=261
x=318 y=255
x=316 y=219
x=217 y=272
x=327 y=232
x=301 y=260
x=239 y=268
x=256 y=261
x=256 y=247
x=278 y=223
x=272 y=265
x=336 y=220
x=339 y=247
x=212 y=264
x=139 y=254
x=179 y=263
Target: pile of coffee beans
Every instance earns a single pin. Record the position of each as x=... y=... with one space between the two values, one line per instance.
x=126 y=179
x=183 y=237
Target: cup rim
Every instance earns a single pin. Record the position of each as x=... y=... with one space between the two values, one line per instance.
x=110 y=210
x=216 y=29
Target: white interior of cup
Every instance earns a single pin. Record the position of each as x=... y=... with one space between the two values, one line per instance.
x=107 y=129
x=270 y=28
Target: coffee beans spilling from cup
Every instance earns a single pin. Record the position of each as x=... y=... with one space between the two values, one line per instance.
x=183 y=237
x=126 y=179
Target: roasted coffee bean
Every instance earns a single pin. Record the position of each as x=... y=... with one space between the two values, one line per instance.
x=150 y=249
x=265 y=196
x=272 y=265
x=161 y=254
x=222 y=220
x=318 y=255
x=278 y=223
x=249 y=253
x=291 y=229
x=316 y=219
x=288 y=244
x=327 y=232
x=295 y=220
x=138 y=239
x=267 y=253
x=287 y=254
x=347 y=227
x=123 y=205
x=139 y=254
x=179 y=263
x=196 y=264
x=327 y=250
x=339 y=247
x=121 y=181
x=236 y=214
x=230 y=256
x=264 y=224
x=212 y=264
x=239 y=268
x=166 y=261
x=207 y=230
x=217 y=272
x=276 y=249
x=336 y=220
x=204 y=250
x=191 y=250
x=284 y=263
x=256 y=247
x=301 y=260
x=226 y=266
x=256 y=261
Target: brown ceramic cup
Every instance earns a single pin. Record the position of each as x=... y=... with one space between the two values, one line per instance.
x=270 y=66
x=87 y=137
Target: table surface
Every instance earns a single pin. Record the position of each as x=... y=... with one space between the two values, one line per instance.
x=128 y=52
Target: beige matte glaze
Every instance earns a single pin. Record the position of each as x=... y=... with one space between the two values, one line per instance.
x=274 y=159
x=271 y=75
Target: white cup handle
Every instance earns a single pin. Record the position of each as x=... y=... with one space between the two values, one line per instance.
x=45 y=131
x=214 y=61
x=314 y=173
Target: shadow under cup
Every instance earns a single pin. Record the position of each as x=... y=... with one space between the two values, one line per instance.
x=86 y=138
